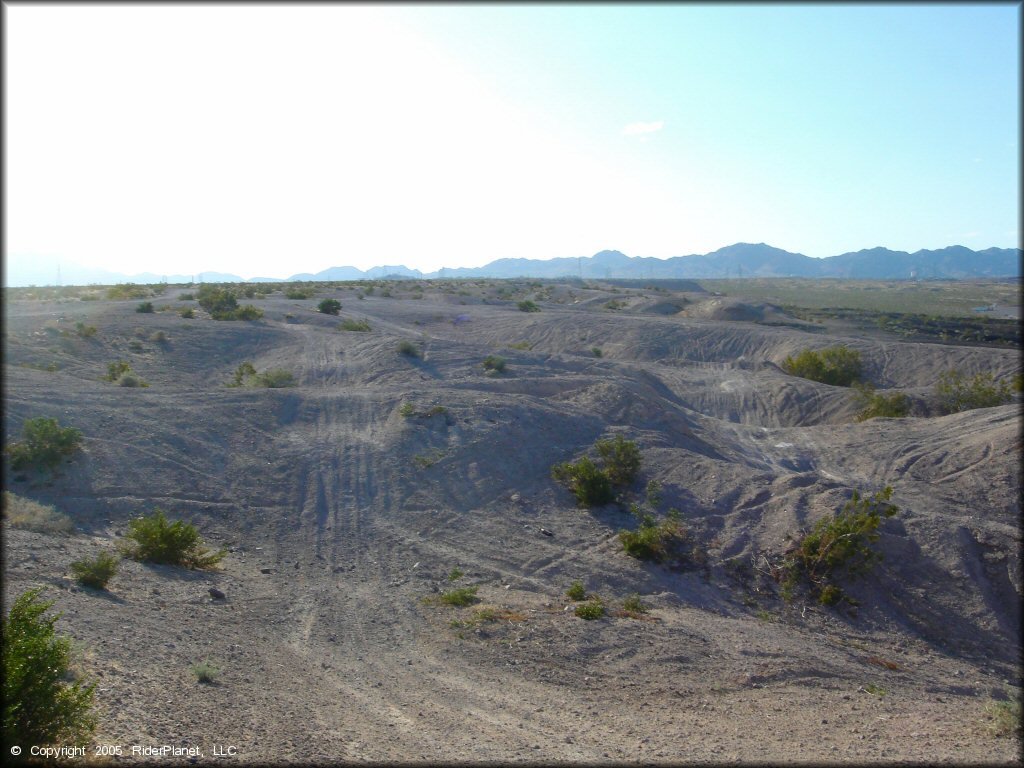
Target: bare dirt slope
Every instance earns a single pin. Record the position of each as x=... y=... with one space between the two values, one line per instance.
x=342 y=514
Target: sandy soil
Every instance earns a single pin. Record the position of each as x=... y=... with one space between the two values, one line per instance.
x=327 y=651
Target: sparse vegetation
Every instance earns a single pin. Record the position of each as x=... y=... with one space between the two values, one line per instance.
x=621 y=459
x=44 y=443
x=591 y=609
x=838 y=366
x=223 y=305
x=274 y=378
x=527 y=306
x=156 y=540
x=33 y=516
x=588 y=483
x=664 y=542
x=456 y=574
x=596 y=352
x=633 y=604
x=40 y=706
x=85 y=331
x=956 y=392
x=354 y=325
x=205 y=672
x=298 y=293
x=873 y=405
x=145 y=307
x=459 y=597
x=838 y=544
x=1005 y=717
x=121 y=373
x=494 y=364
x=576 y=591
x=97 y=571
x=329 y=306
x=408 y=349
x=520 y=345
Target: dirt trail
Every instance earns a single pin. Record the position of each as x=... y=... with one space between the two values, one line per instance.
x=342 y=515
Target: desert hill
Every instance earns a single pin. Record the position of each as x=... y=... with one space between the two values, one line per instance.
x=349 y=497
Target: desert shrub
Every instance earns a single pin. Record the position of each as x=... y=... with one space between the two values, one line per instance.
x=407 y=410
x=576 y=591
x=408 y=349
x=275 y=378
x=97 y=571
x=155 y=540
x=85 y=331
x=527 y=306
x=654 y=492
x=494 y=363
x=521 y=345
x=354 y=325
x=588 y=483
x=44 y=443
x=873 y=405
x=1017 y=382
x=459 y=597
x=40 y=707
x=596 y=351
x=205 y=672
x=247 y=312
x=662 y=542
x=839 y=366
x=621 y=459
x=33 y=516
x=186 y=297
x=158 y=337
x=128 y=291
x=146 y=307
x=841 y=543
x=298 y=293
x=329 y=306
x=590 y=610
x=131 y=380
x=116 y=370
x=188 y=313
x=456 y=574
x=1005 y=717
x=633 y=604
x=957 y=393
x=214 y=299
x=246 y=376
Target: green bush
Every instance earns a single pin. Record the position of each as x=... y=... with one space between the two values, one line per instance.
x=576 y=591
x=205 y=672
x=116 y=370
x=957 y=393
x=248 y=312
x=97 y=571
x=128 y=291
x=33 y=516
x=146 y=307
x=633 y=604
x=459 y=597
x=246 y=376
x=354 y=325
x=155 y=540
x=186 y=297
x=494 y=363
x=528 y=306
x=838 y=366
x=298 y=293
x=596 y=351
x=85 y=331
x=40 y=707
x=872 y=405
x=408 y=349
x=621 y=459
x=44 y=443
x=664 y=542
x=590 y=610
x=329 y=306
x=188 y=313
x=588 y=483
x=216 y=300
x=841 y=543
x=456 y=574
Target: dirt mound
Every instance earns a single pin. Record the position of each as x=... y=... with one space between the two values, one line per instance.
x=347 y=500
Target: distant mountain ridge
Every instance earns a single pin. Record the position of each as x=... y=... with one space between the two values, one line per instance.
x=955 y=262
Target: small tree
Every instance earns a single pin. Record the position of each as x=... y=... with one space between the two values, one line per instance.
x=621 y=459
x=329 y=306
x=39 y=706
x=588 y=483
x=838 y=366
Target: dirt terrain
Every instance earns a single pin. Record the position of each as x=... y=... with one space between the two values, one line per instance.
x=341 y=514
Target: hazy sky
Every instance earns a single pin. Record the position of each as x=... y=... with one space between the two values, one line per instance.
x=267 y=140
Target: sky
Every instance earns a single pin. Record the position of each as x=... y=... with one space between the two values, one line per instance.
x=268 y=140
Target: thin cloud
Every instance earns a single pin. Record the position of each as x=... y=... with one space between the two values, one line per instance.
x=637 y=129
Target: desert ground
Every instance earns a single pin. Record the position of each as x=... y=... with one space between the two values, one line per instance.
x=342 y=511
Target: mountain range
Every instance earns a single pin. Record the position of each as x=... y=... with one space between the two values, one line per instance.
x=740 y=260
